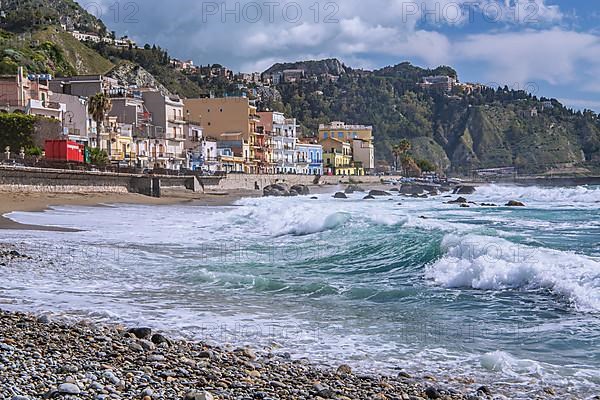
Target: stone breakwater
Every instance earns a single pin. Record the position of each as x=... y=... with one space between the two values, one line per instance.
x=41 y=358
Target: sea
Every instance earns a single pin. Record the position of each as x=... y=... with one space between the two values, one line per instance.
x=507 y=297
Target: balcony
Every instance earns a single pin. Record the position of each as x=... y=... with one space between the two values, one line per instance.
x=176 y=137
x=177 y=120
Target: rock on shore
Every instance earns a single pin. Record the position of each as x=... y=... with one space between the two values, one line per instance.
x=81 y=361
x=284 y=190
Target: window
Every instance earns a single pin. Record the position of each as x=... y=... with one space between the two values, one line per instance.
x=325 y=135
x=340 y=135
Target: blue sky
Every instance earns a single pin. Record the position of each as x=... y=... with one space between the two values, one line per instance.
x=549 y=47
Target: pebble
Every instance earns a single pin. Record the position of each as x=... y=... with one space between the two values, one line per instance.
x=432 y=393
x=193 y=395
x=344 y=370
x=69 y=388
x=141 y=333
x=108 y=362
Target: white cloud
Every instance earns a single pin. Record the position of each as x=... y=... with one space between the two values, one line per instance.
x=527 y=44
x=555 y=56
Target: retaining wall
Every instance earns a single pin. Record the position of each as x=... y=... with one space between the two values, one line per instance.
x=247 y=181
x=24 y=179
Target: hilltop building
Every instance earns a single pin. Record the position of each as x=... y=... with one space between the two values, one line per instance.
x=442 y=83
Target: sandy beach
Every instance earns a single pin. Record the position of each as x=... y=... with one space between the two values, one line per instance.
x=32 y=202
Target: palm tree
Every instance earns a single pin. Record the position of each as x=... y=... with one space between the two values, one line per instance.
x=399 y=150
x=98 y=107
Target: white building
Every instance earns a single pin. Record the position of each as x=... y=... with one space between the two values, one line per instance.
x=167 y=147
x=48 y=109
x=284 y=140
x=77 y=123
x=84 y=37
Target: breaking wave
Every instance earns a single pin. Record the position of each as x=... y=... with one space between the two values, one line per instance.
x=492 y=263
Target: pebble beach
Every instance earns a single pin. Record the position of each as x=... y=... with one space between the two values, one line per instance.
x=41 y=358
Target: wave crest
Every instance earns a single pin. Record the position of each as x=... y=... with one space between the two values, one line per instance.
x=491 y=263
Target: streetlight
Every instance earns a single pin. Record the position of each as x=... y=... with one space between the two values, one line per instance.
x=69 y=115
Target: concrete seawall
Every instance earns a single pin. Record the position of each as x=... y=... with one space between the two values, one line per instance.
x=247 y=181
x=25 y=179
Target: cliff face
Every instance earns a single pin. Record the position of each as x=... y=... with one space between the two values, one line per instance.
x=131 y=74
x=330 y=66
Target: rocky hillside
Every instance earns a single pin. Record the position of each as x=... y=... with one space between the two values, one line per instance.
x=330 y=66
x=128 y=73
x=458 y=131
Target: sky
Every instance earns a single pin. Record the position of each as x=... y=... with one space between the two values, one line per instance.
x=550 y=48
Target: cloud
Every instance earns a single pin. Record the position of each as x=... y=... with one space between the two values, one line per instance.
x=556 y=56
x=581 y=104
x=523 y=41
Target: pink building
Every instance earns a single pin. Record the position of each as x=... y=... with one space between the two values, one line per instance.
x=16 y=91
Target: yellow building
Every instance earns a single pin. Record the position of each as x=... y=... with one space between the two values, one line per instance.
x=337 y=158
x=117 y=141
x=340 y=131
x=229 y=119
x=360 y=138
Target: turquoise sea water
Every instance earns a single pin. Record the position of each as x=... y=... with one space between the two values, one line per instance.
x=508 y=297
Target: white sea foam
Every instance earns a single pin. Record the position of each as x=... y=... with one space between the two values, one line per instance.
x=501 y=361
x=580 y=195
x=492 y=263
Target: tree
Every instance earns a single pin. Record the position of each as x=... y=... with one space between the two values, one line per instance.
x=98 y=107
x=98 y=157
x=400 y=150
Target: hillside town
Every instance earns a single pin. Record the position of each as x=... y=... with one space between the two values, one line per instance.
x=146 y=129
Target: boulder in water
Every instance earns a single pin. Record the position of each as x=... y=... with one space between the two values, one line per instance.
x=488 y=205
x=353 y=188
x=408 y=188
x=302 y=190
x=514 y=203
x=276 y=190
x=465 y=205
x=460 y=200
x=368 y=197
x=376 y=193
x=464 y=190
x=340 y=195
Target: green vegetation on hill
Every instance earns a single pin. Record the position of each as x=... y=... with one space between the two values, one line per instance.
x=50 y=50
x=462 y=131
x=84 y=60
x=486 y=129
x=32 y=15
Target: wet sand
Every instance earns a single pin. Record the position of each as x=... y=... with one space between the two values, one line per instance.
x=32 y=202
